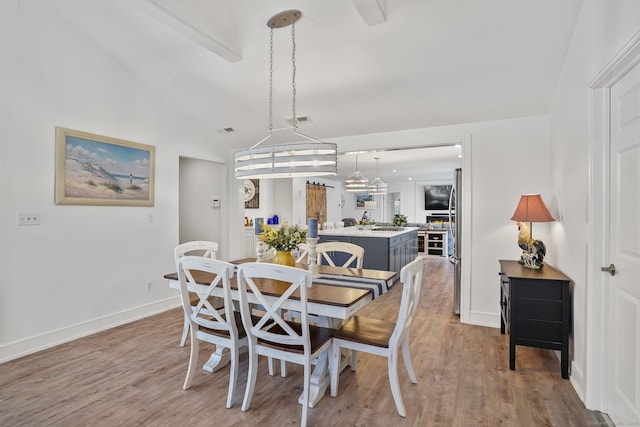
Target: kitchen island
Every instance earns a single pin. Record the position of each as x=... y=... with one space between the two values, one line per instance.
x=385 y=248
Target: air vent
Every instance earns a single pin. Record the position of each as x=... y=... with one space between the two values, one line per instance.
x=300 y=119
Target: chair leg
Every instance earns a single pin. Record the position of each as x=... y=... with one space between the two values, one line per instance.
x=193 y=361
x=407 y=361
x=305 y=393
x=185 y=331
x=233 y=374
x=334 y=366
x=283 y=368
x=270 y=364
x=354 y=360
x=394 y=383
x=251 y=378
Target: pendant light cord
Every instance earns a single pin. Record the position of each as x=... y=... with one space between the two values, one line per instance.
x=294 y=120
x=271 y=82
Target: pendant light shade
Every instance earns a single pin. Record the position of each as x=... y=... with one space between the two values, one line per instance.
x=377 y=187
x=284 y=161
x=311 y=158
x=356 y=182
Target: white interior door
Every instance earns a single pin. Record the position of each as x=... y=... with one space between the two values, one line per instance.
x=624 y=286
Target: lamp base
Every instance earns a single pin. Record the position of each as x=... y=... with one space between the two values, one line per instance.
x=530 y=265
x=532 y=259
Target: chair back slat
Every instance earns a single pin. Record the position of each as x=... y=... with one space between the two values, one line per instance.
x=203 y=248
x=325 y=251
x=411 y=278
x=203 y=313
x=295 y=279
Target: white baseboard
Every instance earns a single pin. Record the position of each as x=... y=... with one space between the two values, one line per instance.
x=577 y=380
x=480 y=318
x=50 y=339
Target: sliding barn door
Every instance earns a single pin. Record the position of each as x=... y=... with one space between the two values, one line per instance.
x=317 y=202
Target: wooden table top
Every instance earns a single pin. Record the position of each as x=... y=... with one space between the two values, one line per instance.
x=318 y=293
x=339 y=271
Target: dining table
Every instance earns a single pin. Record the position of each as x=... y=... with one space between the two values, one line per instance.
x=334 y=297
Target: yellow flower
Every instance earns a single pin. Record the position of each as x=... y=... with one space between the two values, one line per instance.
x=285 y=238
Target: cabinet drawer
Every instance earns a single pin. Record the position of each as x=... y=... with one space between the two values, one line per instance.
x=435 y=236
x=547 y=290
x=539 y=310
x=435 y=244
x=539 y=330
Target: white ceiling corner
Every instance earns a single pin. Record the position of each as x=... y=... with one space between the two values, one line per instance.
x=184 y=19
x=370 y=11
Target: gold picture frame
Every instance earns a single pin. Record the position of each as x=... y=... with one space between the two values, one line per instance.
x=99 y=170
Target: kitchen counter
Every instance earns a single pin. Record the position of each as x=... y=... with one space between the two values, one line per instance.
x=383 y=250
x=372 y=232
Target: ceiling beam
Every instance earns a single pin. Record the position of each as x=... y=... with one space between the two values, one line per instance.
x=184 y=27
x=370 y=11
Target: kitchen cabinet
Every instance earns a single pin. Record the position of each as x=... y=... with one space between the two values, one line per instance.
x=437 y=242
x=388 y=251
x=249 y=242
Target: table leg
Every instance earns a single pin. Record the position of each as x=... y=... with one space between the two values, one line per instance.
x=320 y=379
x=218 y=359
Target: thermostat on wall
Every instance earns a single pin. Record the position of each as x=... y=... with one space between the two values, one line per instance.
x=215 y=203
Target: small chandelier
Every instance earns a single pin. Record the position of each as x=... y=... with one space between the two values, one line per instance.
x=356 y=182
x=377 y=187
x=314 y=158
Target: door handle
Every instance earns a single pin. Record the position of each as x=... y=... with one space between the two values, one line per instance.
x=611 y=269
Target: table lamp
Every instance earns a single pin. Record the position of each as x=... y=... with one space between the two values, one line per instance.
x=531 y=208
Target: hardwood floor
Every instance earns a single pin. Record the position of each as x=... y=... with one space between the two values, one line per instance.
x=133 y=375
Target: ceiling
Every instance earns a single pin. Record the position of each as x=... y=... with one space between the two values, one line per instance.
x=421 y=63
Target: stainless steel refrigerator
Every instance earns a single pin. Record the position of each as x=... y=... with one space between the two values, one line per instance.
x=455 y=222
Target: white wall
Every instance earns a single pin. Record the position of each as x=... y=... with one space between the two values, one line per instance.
x=603 y=28
x=200 y=182
x=508 y=158
x=85 y=267
x=93 y=262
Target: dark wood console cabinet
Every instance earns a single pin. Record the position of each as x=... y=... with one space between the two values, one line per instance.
x=535 y=309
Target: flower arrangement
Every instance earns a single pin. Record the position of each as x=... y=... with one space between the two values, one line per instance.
x=285 y=238
x=366 y=222
x=400 y=220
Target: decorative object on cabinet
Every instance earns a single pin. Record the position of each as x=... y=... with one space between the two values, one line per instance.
x=102 y=171
x=531 y=208
x=251 y=193
x=314 y=158
x=535 y=307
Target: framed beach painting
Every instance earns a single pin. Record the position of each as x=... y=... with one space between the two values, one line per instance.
x=365 y=201
x=102 y=171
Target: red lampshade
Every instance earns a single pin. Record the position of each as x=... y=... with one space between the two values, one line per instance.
x=531 y=208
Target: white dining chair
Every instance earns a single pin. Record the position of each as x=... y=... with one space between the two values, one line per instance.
x=270 y=334
x=302 y=253
x=327 y=251
x=202 y=248
x=206 y=323
x=381 y=337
